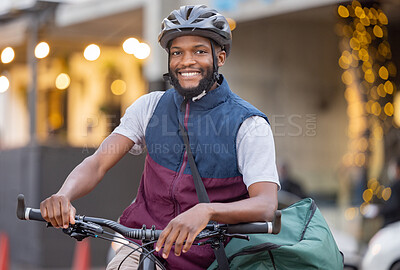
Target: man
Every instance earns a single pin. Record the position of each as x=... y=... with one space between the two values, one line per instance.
x=231 y=141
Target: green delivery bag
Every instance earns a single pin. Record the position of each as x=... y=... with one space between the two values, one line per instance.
x=305 y=242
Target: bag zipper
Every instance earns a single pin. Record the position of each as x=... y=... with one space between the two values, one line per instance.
x=313 y=208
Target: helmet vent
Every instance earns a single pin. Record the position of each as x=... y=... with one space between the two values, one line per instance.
x=188 y=13
x=219 y=25
x=171 y=17
x=207 y=15
x=197 y=20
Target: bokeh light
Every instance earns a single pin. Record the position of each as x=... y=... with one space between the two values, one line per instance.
x=367 y=195
x=383 y=73
x=347 y=77
x=369 y=76
x=143 y=51
x=4 y=84
x=372 y=184
x=382 y=18
x=378 y=32
x=392 y=69
x=388 y=86
x=389 y=109
x=343 y=11
x=396 y=112
x=350 y=213
x=381 y=90
x=376 y=108
x=92 y=52
x=7 y=55
x=130 y=45
x=63 y=81
x=386 y=193
x=118 y=87
x=42 y=50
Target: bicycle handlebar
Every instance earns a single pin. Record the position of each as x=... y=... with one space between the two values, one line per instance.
x=88 y=225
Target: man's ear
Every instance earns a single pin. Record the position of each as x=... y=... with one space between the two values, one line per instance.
x=221 y=58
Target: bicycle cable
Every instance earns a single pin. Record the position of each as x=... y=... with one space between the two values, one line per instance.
x=127 y=245
x=150 y=252
x=152 y=258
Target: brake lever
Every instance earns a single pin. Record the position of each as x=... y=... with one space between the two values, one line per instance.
x=207 y=234
x=80 y=230
x=240 y=236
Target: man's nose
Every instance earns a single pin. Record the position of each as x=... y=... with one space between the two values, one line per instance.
x=188 y=59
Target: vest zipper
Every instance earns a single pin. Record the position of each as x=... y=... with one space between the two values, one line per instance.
x=184 y=163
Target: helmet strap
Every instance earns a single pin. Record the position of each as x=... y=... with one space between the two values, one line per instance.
x=215 y=64
x=167 y=76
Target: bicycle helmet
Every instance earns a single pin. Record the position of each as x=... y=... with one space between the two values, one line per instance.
x=198 y=20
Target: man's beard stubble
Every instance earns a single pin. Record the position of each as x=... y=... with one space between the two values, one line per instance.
x=204 y=84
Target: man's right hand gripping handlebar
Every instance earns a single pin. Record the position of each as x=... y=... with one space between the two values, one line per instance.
x=58 y=210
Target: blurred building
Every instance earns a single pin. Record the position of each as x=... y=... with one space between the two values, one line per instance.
x=287 y=60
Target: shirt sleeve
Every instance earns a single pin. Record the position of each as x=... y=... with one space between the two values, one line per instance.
x=134 y=122
x=255 y=149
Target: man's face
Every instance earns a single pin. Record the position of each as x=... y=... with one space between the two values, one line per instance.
x=191 y=64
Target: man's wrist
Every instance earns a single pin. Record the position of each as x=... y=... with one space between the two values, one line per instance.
x=64 y=194
x=209 y=209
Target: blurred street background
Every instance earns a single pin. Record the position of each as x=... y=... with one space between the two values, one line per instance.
x=325 y=72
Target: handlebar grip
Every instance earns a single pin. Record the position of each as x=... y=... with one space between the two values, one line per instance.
x=27 y=213
x=257 y=227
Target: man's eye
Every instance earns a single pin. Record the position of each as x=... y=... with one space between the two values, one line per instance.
x=200 y=52
x=175 y=53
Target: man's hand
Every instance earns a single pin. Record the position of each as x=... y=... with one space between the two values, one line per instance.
x=58 y=210
x=183 y=229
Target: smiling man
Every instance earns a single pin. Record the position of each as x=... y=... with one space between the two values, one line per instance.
x=191 y=65
x=231 y=142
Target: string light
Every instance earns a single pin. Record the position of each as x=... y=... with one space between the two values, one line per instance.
x=373 y=104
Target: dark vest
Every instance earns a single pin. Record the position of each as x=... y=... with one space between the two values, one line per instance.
x=167 y=188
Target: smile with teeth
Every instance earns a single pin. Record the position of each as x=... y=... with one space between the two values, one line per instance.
x=189 y=74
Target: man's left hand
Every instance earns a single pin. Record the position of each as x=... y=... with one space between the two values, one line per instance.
x=183 y=229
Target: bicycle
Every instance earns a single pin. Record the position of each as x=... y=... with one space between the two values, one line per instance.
x=86 y=226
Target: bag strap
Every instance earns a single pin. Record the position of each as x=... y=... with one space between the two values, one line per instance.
x=198 y=183
x=219 y=250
